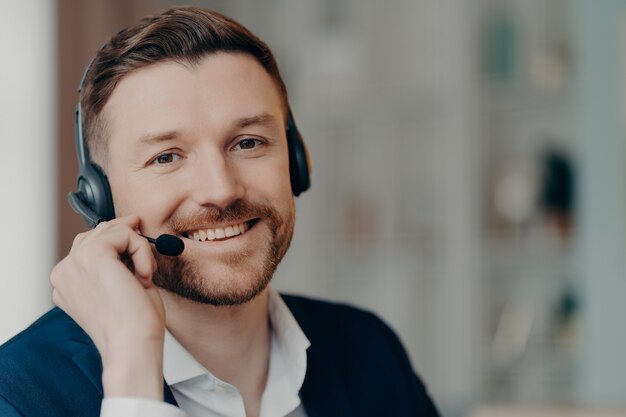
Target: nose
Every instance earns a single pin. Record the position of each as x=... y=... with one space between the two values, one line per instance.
x=216 y=181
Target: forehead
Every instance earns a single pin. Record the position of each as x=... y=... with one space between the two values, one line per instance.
x=168 y=96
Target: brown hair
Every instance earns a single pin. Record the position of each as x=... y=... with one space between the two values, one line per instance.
x=182 y=34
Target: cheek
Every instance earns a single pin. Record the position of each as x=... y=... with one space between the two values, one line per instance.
x=269 y=182
x=156 y=200
x=153 y=203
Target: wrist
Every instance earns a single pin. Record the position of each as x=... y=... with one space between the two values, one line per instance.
x=134 y=369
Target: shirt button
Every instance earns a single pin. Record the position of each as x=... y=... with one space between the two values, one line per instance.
x=219 y=389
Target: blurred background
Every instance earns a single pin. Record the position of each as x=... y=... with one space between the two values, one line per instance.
x=469 y=178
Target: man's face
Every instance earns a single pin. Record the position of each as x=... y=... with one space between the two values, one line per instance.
x=200 y=151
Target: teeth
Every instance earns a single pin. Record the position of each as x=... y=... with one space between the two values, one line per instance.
x=219 y=233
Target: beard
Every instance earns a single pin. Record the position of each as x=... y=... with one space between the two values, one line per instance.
x=242 y=275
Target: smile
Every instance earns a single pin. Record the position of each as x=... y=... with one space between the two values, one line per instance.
x=220 y=233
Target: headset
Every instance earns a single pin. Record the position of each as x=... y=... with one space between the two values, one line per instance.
x=93 y=199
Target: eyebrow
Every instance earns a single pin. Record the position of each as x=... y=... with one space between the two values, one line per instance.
x=264 y=119
x=151 y=138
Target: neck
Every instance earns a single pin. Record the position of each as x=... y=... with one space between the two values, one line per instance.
x=232 y=342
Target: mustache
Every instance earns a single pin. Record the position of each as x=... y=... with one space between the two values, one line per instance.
x=236 y=212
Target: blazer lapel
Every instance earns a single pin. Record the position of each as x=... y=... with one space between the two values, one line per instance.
x=167 y=394
x=323 y=393
x=87 y=357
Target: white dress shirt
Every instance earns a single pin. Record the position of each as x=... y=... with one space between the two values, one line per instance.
x=200 y=394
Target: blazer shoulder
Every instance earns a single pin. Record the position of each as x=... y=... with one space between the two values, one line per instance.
x=336 y=319
x=7 y=409
x=363 y=355
x=41 y=346
x=51 y=327
x=47 y=362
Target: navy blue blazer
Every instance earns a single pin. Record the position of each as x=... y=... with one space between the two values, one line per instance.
x=356 y=366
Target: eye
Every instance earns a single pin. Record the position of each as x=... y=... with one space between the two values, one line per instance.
x=165 y=158
x=248 y=143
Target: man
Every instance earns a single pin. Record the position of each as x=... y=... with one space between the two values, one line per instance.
x=187 y=115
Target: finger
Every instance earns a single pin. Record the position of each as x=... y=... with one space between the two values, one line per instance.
x=118 y=237
x=123 y=240
x=132 y=221
x=139 y=250
x=79 y=238
x=58 y=300
x=55 y=297
x=142 y=257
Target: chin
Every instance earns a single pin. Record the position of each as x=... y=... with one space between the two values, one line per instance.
x=224 y=280
x=231 y=272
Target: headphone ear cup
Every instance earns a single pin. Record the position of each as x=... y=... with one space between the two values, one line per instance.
x=93 y=197
x=299 y=165
x=95 y=192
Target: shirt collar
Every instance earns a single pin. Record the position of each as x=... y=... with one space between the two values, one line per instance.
x=289 y=345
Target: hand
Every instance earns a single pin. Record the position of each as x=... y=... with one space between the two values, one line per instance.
x=120 y=310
